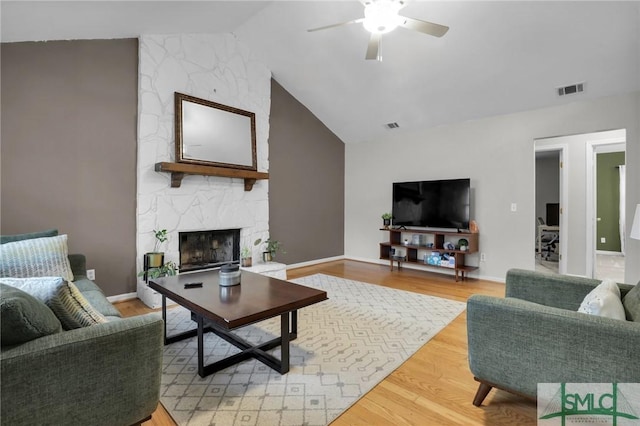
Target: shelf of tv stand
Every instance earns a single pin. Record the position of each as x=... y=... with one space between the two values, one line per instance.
x=439 y=238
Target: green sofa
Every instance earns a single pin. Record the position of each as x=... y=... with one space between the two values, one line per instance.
x=535 y=335
x=104 y=374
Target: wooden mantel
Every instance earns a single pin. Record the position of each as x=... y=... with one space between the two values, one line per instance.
x=178 y=170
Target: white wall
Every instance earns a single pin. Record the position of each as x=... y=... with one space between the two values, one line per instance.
x=497 y=154
x=220 y=69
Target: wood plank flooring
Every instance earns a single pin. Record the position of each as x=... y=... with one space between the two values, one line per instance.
x=433 y=387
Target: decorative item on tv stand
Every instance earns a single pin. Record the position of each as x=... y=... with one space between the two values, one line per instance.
x=271 y=249
x=154 y=265
x=386 y=220
x=442 y=252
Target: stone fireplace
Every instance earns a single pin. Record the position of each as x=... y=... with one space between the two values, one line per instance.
x=208 y=249
x=219 y=68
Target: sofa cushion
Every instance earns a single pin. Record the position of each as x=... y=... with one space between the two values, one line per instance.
x=631 y=303
x=23 y=317
x=62 y=297
x=36 y=257
x=604 y=301
x=96 y=297
x=19 y=237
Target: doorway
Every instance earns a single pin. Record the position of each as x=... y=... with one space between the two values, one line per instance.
x=577 y=206
x=550 y=204
x=606 y=201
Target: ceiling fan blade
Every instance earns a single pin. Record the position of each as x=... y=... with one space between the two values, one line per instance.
x=425 y=27
x=355 y=21
x=373 y=50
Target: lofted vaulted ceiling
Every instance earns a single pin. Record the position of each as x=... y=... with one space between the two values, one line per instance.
x=497 y=58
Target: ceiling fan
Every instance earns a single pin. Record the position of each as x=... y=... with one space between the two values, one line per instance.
x=380 y=17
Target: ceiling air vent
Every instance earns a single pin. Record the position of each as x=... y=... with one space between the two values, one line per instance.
x=393 y=125
x=570 y=90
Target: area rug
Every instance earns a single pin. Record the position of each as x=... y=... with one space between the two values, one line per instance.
x=345 y=346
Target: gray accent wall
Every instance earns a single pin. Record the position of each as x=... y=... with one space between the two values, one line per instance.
x=68 y=151
x=306 y=182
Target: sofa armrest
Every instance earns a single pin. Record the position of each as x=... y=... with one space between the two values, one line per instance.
x=516 y=344
x=560 y=291
x=106 y=374
x=78 y=264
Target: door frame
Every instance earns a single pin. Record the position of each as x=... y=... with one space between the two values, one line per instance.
x=563 y=175
x=593 y=148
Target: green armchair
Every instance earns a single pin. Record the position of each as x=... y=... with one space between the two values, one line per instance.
x=535 y=335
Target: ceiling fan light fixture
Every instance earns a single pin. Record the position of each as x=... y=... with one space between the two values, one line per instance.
x=381 y=16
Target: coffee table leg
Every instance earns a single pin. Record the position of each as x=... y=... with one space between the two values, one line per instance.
x=284 y=345
x=164 y=317
x=294 y=325
x=200 y=322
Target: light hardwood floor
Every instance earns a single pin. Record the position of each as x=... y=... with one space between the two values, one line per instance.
x=433 y=387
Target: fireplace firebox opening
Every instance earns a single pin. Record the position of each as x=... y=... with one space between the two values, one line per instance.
x=208 y=249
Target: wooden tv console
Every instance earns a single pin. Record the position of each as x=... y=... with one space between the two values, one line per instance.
x=414 y=253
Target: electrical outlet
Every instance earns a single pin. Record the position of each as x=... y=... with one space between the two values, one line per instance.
x=514 y=207
x=91 y=274
x=483 y=257
x=603 y=240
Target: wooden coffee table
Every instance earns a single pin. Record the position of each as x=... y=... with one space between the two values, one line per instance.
x=220 y=310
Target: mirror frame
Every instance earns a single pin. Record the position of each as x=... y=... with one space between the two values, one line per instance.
x=179 y=126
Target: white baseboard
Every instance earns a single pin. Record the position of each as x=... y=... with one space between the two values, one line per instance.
x=315 y=262
x=122 y=297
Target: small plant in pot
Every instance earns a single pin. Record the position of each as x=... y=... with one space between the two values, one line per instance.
x=271 y=249
x=166 y=269
x=154 y=265
x=386 y=220
x=245 y=257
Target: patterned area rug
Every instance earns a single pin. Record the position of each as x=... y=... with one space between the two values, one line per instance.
x=345 y=346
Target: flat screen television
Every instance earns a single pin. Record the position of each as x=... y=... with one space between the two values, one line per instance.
x=432 y=204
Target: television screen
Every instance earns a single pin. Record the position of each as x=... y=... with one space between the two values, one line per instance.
x=432 y=204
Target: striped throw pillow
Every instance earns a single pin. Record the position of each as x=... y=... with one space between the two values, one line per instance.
x=37 y=257
x=62 y=297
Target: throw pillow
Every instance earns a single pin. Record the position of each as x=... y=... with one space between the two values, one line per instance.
x=19 y=237
x=62 y=297
x=23 y=317
x=37 y=257
x=604 y=301
x=631 y=303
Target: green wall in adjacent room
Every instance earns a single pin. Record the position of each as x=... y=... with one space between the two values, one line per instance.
x=608 y=200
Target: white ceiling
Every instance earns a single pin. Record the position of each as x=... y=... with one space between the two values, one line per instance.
x=497 y=58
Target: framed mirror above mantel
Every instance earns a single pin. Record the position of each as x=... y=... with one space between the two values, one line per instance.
x=213 y=139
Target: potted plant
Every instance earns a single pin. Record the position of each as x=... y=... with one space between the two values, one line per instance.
x=154 y=265
x=155 y=258
x=386 y=220
x=271 y=248
x=166 y=269
x=245 y=257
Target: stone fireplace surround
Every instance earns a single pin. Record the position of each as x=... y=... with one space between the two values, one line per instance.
x=222 y=69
